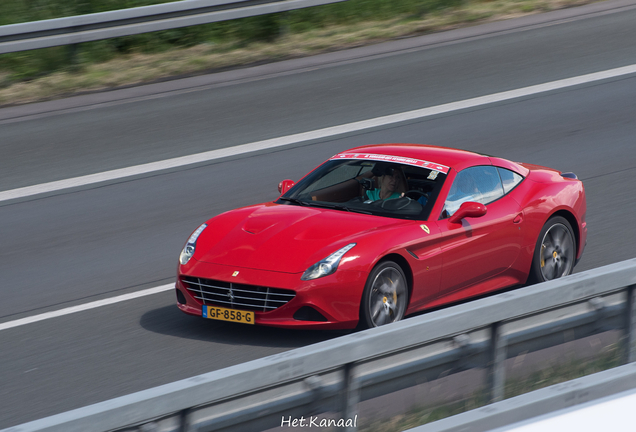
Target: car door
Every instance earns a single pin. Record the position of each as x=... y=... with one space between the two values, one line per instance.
x=423 y=245
x=478 y=250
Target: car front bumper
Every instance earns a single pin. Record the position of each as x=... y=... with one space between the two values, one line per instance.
x=335 y=298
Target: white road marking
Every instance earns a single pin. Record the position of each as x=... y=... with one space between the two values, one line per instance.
x=311 y=135
x=86 y=306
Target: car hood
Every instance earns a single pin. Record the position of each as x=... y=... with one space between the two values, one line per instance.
x=283 y=238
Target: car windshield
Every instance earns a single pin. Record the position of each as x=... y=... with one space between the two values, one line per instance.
x=367 y=186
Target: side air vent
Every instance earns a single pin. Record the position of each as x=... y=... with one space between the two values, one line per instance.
x=307 y=313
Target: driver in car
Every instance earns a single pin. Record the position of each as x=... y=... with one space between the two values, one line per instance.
x=391 y=181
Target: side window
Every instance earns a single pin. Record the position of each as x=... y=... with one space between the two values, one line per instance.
x=480 y=184
x=509 y=179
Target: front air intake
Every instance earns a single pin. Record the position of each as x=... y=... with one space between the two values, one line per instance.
x=307 y=313
x=236 y=296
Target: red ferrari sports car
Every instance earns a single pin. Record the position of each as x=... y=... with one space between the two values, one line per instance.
x=380 y=232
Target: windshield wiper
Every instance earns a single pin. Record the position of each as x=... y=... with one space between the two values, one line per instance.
x=294 y=200
x=324 y=205
x=336 y=207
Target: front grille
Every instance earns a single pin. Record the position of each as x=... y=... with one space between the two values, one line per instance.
x=237 y=296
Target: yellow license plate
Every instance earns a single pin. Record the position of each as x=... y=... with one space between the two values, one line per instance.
x=224 y=314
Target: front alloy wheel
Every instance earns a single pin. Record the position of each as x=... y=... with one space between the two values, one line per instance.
x=385 y=296
x=555 y=252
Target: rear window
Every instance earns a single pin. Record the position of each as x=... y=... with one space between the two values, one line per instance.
x=509 y=179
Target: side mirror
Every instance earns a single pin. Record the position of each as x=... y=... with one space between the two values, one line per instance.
x=285 y=185
x=468 y=209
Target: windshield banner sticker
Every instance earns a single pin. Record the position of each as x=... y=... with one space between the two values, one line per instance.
x=397 y=159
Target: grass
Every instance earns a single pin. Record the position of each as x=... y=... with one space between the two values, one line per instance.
x=57 y=72
x=561 y=372
x=551 y=374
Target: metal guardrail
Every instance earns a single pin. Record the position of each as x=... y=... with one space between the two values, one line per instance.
x=126 y=22
x=334 y=376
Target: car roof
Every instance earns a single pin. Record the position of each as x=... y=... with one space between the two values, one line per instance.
x=450 y=157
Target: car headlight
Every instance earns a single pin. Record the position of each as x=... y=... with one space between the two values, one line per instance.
x=326 y=266
x=188 y=249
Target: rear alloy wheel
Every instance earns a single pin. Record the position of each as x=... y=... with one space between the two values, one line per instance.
x=555 y=253
x=385 y=296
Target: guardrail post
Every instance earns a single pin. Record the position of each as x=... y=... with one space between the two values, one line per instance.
x=351 y=397
x=630 y=325
x=71 y=52
x=497 y=366
x=462 y=342
x=183 y=421
x=598 y=304
x=314 y=383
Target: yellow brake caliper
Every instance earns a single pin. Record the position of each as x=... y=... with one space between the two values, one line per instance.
x=385 y=299
x=542 y=259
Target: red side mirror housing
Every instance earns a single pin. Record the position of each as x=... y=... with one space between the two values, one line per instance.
x=285 y=185
x=468 y=209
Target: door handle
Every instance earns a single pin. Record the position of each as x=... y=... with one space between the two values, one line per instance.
x=518 y=218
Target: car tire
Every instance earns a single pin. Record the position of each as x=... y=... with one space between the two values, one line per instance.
x=385 y=296
x=555 y=253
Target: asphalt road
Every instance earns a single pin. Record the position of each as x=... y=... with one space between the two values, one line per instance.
x=94 y=242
